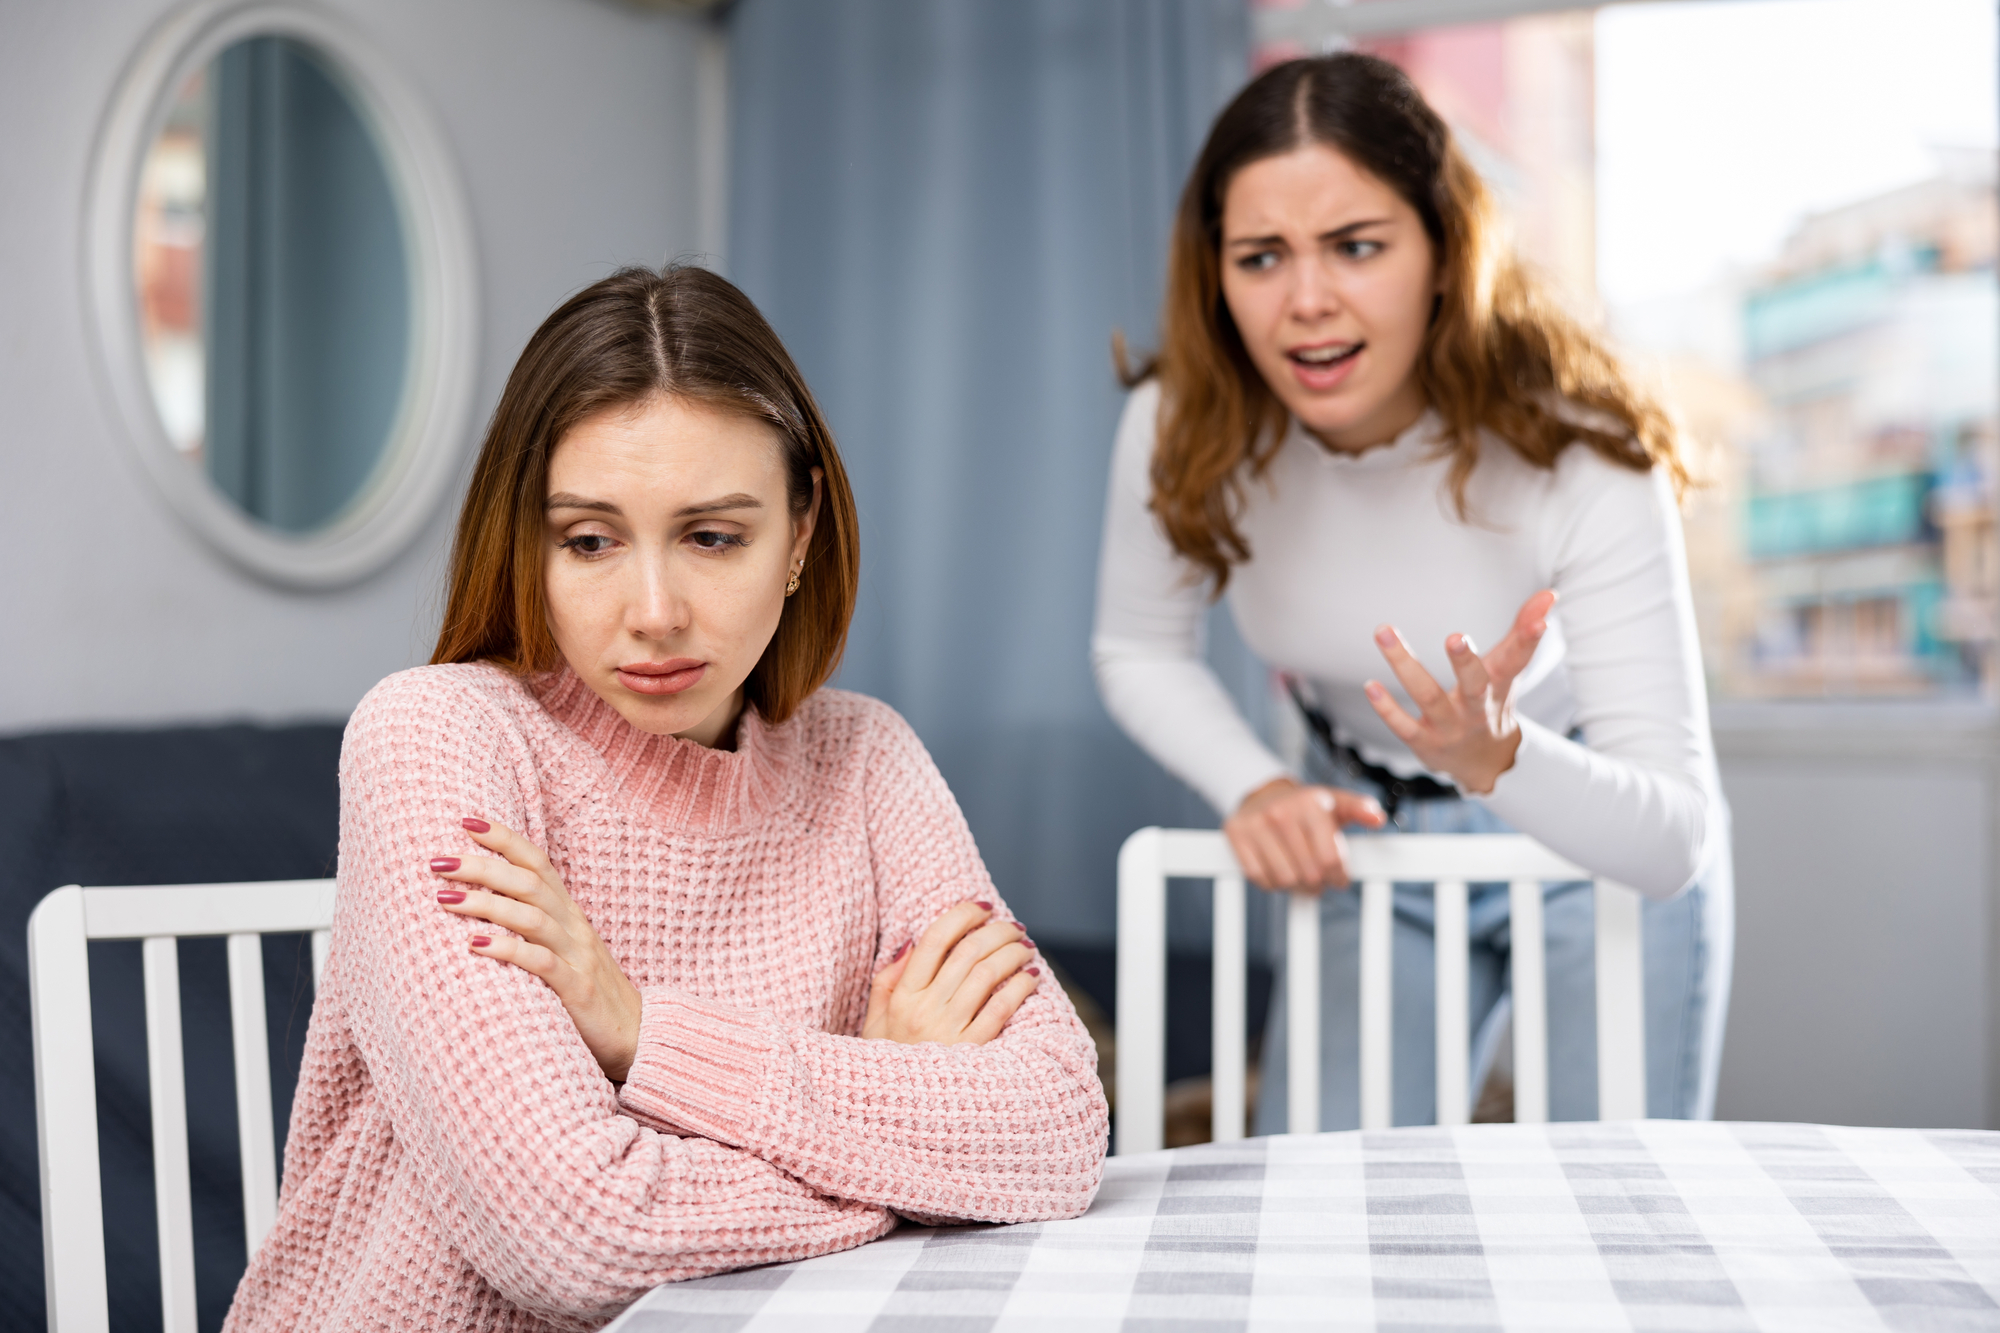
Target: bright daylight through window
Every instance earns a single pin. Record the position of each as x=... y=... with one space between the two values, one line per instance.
x=1785 y=211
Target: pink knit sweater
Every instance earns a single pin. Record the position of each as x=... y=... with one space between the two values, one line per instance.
x=456 y=1158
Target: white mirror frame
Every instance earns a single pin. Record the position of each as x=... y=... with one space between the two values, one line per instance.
x=421 y=457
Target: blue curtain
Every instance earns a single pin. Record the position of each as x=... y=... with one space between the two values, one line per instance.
x=946 y=207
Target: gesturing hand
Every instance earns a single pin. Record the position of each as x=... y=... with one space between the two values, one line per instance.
x=556 y=941
x=1287 y=835
x=1468 y=732
x=961 y=981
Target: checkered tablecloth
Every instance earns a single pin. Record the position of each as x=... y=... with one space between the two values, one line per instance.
x=1642 y=1226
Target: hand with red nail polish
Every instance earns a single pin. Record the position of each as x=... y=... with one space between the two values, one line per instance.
x=960 y=982
x=519 y=890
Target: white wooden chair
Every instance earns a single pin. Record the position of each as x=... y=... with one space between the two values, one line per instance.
x=66 y=1080
x=1152 y=856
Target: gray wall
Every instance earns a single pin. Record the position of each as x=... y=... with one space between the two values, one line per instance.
x=1865 y=978
x=574 y=126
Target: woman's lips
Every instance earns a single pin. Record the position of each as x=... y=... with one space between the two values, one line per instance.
x=662 y=677
x=1324 y=375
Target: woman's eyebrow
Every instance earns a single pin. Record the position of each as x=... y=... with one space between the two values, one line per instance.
x=736 y=501
x=740 y=500
x=1342 y=233
x=566 y=500
x=1337 y=234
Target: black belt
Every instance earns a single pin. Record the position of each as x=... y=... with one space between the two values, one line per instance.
x=1395 y=788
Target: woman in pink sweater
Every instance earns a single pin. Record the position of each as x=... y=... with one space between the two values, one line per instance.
x=652 y=958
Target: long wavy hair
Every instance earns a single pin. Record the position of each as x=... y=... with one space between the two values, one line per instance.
x=1501 y=354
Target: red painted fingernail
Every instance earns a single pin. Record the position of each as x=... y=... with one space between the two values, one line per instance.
x=1034 y=971
x=984 y=907
x=1029 y=943
x=443 y=865
x=482 y=942
x=905 y=949
x=476 y=825
x=451 y=895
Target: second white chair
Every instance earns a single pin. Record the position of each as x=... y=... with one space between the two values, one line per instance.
x=1449 y=862
x=59 y=933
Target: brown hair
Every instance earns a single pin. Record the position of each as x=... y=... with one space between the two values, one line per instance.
x=680 y=331
x=1500 y=354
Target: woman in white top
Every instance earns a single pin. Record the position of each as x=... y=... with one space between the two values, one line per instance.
x=1369 y=426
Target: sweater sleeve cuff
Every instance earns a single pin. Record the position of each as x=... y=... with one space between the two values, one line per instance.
x=1540 y=767
x=1229 y=787
x=700 y=1065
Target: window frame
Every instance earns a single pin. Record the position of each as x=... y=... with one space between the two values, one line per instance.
x=426 y=443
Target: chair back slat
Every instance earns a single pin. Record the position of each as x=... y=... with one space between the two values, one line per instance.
x=322 y=943
x=1450 y=863
x=1621 y=1005
x=255 y=1138
x=1452 y=979
x=1228 y=1028
x=1302 y=1013
x=1378 y=1010
x=279 y=907
x=66 y=1114
x=59 y=932
x=173 y=1197
x=1475 y=857
x=1141 y=1076
x=1529 y=983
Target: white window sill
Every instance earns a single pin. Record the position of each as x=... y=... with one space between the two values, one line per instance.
x=1954 y=730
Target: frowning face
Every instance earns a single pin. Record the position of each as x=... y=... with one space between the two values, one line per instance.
x=670 y=541
x=1330 y=278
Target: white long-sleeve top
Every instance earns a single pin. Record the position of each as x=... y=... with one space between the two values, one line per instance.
x=1342 y=543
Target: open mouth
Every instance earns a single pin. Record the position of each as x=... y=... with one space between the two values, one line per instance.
x=1322 y=358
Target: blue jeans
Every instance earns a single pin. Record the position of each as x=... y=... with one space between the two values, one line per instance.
x=1688 y=944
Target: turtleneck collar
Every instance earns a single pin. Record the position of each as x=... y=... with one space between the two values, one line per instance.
x=678 y=782
x=1417 y=444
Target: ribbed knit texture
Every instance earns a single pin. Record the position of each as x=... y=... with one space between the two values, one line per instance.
x=456 y=1158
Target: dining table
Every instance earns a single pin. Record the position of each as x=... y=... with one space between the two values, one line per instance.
x=1639 y=1225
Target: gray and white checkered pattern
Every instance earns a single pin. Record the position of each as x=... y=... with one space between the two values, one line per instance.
x=1642 y=1226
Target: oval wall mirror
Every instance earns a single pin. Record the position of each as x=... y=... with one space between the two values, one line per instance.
x=281 y=275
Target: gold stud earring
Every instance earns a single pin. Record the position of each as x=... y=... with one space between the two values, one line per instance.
x=793 y=586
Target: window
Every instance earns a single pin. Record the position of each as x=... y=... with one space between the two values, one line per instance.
x=1784 y=212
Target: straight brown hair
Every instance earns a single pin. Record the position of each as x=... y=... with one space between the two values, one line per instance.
x=687 y=333
x=1501 y=355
